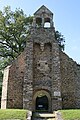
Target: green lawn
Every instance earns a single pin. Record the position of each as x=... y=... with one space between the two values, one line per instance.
x=70 y=114
x=15 y=114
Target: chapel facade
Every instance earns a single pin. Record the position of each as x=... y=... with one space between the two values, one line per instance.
x=42 y=78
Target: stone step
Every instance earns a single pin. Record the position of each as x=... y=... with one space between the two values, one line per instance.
x=43 y=116
x=43 y=119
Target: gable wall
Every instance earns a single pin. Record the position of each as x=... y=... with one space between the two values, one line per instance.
x=77 y=84
x=15 y=83
x=70 y=82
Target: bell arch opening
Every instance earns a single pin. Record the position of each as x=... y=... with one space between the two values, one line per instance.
x=47 y=23
x=38 y=22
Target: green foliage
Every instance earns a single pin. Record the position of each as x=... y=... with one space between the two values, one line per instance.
x=13 y=114
x=61 y=40
x=13 y=32
x=70 y=114
x=3 y=64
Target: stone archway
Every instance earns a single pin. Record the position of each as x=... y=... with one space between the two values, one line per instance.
x=42 y=101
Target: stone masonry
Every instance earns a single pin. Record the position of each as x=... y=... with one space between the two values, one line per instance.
x=42 y=77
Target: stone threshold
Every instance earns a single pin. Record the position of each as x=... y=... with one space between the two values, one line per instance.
x=44 y=115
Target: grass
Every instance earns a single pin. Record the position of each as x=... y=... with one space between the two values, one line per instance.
x=17 y=114
x=13 y=114
x=70 y=114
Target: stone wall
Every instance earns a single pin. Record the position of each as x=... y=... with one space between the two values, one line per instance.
x=15 y=83
x=28 y=76
x=77 y=84
x=70 y=82
x=46 y=64
x=42 y=68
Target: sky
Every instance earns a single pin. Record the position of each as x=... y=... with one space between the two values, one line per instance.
x=66 y=19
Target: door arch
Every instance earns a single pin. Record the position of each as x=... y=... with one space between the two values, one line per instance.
x=42 y=101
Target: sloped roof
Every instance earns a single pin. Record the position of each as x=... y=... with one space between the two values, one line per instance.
x=43 y=8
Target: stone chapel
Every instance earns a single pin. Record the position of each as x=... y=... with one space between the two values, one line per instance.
x=42 y=78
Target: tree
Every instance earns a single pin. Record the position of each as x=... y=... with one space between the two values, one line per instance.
x=13 y=32
x=61 y=40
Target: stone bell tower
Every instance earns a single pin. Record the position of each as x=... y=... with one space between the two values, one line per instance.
x=42 y=80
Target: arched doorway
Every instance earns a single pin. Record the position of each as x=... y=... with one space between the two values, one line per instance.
x=42 y=103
